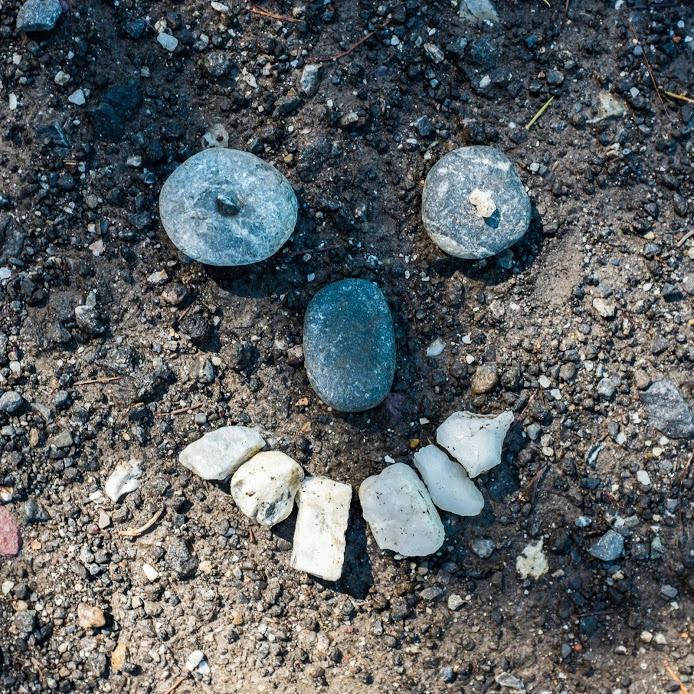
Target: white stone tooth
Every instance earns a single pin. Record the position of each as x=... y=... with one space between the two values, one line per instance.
x=475 y=440
x=265 y=486
x=321 y=525
x=449 y=485
x=400 y=513
x=221 y=452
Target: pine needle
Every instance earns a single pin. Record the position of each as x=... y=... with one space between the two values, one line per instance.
x=539 y=113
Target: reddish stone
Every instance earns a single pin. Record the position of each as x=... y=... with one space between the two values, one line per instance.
x=9 y=534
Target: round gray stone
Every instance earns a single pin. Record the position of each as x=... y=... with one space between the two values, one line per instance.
x=498 y=214
x=227 y=207
x=349 y=345
x=38 y=15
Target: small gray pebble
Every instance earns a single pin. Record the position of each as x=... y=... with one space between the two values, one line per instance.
x=483 y=547
x=38 y=15
x=10 y=402
x=609 y=547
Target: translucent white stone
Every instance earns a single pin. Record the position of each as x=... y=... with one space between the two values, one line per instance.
x=449 y=485
x=400 y=513
x=265 y=486
x=321 y=525
x=475 y=440
x=221 y=452
x=123 y=480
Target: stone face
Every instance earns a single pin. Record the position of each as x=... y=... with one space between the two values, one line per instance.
x=478 y=11
x=484 y=379
x=180 y=559
x=10 y=541
x=265 y=486
x=349 y=345
x=449 y=485
x=227 y=207
x=123 y=480
x=461 y=188
x=400 y=512
x=221 y=452
x=475 y=440
x=609 y=547
x=38 y=15
x=667 y=410
x=321 y=525
x=310 y=79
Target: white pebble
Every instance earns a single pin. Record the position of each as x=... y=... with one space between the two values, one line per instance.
x=400 y=512
x=123 y=480
x=220 y=453
x=167 y=41
x=475 y=440
x=644 y=478
x=77 y=97
x=449 y=485
x=265 y=486
x=150 y=572
x=321 y=525
x=61 y=78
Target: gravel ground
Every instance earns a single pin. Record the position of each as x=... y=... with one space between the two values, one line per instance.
x=114 y=347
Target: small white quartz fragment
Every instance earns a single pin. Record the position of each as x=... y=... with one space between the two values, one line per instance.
x=150 y=572
x=449 y=485
x=532 y=562
x=123 y=480
x=399 y=510
x=167 y=41
x=221 y=452
x=475 y=440
x=265 y=486
x=321 y=524
x=482 y=200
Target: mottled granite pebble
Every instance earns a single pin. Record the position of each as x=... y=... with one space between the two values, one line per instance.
x=473 y=203
x=38 y=15
x=227 y=207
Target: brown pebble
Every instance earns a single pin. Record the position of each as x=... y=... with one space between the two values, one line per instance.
x=484 y=379
x=89 y=616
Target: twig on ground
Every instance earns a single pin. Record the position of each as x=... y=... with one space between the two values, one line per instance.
x=565 y=17
x=324 y=249
x=539 y=113
x=595 y=613
x=351 y=48
x=106 y=379
x=688 y=235
x=135 y=532
x=521 y=415
x=264 y=13
x=184 y=313
x=176 y=684
x=647 y=63
x=180 y=410
x=674 y=676
x=679 y=493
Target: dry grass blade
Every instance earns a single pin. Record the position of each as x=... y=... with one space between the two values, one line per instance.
x=539 y=113
x=89 y=382
x=688 y=235
x=136 y=532
x=674 y=676
x=679 y=96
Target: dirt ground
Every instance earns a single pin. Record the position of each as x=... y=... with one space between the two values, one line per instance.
x=612 y=204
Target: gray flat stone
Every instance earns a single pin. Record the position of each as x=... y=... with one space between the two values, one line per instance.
x=609 y=547
x=227 y=207
x=38 y=15
x=473 y=203
x=349 y=345
x=667 y=411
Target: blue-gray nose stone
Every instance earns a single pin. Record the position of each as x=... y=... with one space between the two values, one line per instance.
x=349 y=345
